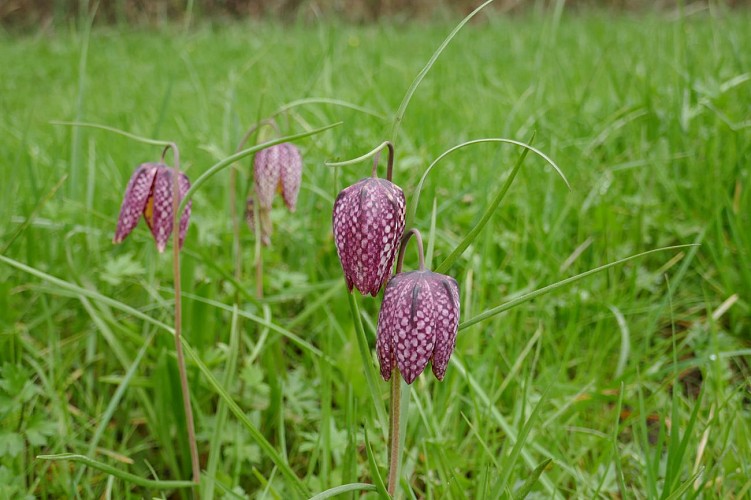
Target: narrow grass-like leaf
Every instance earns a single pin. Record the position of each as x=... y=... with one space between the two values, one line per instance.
x=125 y=476
x=138 y=138
x=542 y=291
x=364 y=157
x=472 y=234
x=367 y=362
x=104 y=419
x=683 y=488
x=345 y=488
x=526 y=488
x=616 y=453
x=30 y=217
x=501 y=420
x=327 y=100
x=415 y=198
x=421 y=75
x=215 y=444
x=191 y=355
x=375 y=472
x=508 y=465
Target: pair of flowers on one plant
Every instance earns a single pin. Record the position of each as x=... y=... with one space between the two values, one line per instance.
x=149 y=193
x=419 y=316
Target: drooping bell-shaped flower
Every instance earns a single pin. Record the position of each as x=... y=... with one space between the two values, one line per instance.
x=278 y=168
x=149 y=193
x=368 y=223
x=417 y=323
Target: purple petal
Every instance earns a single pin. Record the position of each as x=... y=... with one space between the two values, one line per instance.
x=160 y=220
x=368 y=223
x=266 y=174
x=446 y=320
x=134 y=202
x=413 y=337
x=290 y=174
x=183 y=186
x=265 y=219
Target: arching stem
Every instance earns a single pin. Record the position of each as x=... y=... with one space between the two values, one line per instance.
x=390 y=167
x=420 y=254
x=178 y=313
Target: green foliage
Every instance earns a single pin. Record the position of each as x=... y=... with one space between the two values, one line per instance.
x=646 y=390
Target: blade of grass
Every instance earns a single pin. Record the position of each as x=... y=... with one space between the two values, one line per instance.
x=508 y=465
x=526 y=488
x=345 y=488
x=472 y=234
x=125 y=476
x=542 y=291
x=375 y=472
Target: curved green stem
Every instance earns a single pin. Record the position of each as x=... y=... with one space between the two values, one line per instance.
x=145 y=140
x=125 y=476
x=369 y=154
x=416 y=194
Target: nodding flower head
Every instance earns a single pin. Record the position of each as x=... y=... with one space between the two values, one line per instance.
x=418 y=320
x=149 y=192
x=278 y=168
x=368 y=222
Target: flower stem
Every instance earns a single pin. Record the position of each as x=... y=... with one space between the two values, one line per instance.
x=420 y=253
x=395 y=449
x=178 y=317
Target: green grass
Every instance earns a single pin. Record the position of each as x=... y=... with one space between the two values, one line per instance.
x=635 y=378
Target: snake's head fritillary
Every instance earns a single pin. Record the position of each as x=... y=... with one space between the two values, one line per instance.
x=417 y=323
x=278 y=168
x=368 y=223
x=149 y=193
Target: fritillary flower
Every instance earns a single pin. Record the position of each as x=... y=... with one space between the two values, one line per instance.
x=149 y=193
x=417 y=323
x=278 y=168
x=368 y=223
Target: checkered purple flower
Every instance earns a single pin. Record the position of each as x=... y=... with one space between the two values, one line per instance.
x=368 y=223
x=418 y=322
x=149 y=193
x=278 y=168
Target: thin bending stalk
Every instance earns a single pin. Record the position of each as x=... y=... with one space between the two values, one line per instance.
x=178 y=315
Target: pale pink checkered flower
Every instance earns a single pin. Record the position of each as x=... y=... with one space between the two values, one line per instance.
x=368 y=223
x=149 y=193
x=278 y=168
x=417 y=323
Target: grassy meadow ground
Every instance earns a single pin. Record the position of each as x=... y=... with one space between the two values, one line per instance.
x=634 y=381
